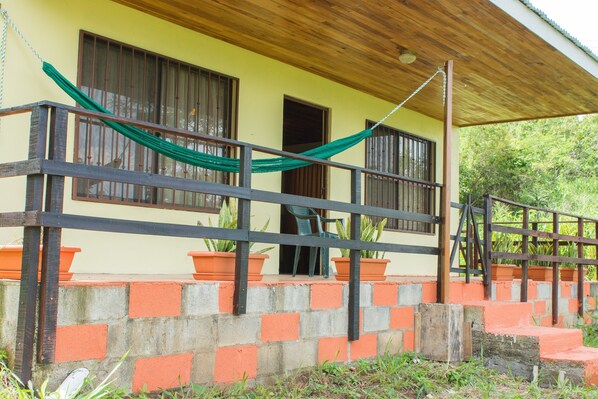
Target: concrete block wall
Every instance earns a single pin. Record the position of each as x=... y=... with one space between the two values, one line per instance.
x=183 y=332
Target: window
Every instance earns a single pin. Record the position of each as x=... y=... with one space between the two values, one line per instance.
x=137 y=84
x=393 y=151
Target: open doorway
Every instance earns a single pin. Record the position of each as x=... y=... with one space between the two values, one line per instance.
x=305 y=126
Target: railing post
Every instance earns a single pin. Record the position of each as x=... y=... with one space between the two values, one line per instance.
x=580 y=268
x=355 y=257
x=487 y=246
x=25 y=339
x=243 y=223
x=48 y=301
x=555 y=270
x=469 y=238
x=524 y=251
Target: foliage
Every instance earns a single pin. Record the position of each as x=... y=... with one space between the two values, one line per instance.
x=227 y=219
x=503 y=242
x=549 y=163
x=369 y=232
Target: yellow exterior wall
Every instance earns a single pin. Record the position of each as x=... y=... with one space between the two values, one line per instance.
x=53 y=29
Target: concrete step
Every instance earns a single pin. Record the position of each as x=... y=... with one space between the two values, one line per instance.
x=486 y=315
x=578 y=365
x=550 y=340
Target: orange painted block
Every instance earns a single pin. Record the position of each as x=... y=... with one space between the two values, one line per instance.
x=532 y=290
x=573 y=305
x=154 y=299
x=365 y=346
x=428 y=292
x=586 y=288
x=539 y=308
x=326 y=296
x=162 y=372
x=473 y=292
x=402 y=317
x=360 y=320
x=280 y=327
x=225 y=297
x=333 y=349
x=408 y=340
x=233 y=363
x=503 y=291
x=456 y=292
x=81 y=342
x=386 y=294
x=546 y=321
x=591 y=302
x=565 y=290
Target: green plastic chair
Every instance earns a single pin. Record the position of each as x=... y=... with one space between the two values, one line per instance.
x=303 y=218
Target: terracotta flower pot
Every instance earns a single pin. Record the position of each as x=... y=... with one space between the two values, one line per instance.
x=570 y=273
x=370 y=270
x=221 y=265
x=537 y=273
x=11 y=259
x=503 y=272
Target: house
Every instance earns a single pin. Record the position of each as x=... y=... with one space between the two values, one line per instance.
x=284 y=75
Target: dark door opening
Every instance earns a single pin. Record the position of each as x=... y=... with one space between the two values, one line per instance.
x=304 y=127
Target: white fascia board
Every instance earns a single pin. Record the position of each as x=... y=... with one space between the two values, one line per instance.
x=532 y=21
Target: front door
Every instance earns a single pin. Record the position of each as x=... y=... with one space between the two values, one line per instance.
x=305 y=126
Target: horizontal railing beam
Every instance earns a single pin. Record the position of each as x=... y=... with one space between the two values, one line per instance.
x=513 y=203
x=543 y=234
x=20 y=219
x=543 y=258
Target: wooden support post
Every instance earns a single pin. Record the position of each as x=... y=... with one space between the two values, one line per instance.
x=48 y=301
x=555 y=270
x=25 y=339
x=487 y=255
x=580 y=268
x=524 y=251
x=468 y=234
x=243 y=223
x=445 y=200
x=355 y=259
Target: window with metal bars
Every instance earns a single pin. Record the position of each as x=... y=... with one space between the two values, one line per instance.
x=138 y=84
x=394 y=151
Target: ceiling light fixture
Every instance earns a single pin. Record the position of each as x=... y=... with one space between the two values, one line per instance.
x=407 y=56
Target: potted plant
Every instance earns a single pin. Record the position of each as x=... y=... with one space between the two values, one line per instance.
x=540 y=270
x=504 y=269
x=218 y=262
x=569 y=270
x=372 y=265
x=11 y=258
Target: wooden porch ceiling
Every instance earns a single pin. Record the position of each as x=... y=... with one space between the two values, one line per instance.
x=503 y=71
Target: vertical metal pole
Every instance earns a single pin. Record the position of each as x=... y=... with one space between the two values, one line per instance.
x=555 y=270
x=580 y=276
x=445 y=204
x=524 y=251
x=469 y=239
x=48 y=301
x=355 y=257
x=25 y=339
x=243 y=223
x=487 y=255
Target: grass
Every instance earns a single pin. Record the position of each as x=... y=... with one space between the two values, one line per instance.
x=401 y=376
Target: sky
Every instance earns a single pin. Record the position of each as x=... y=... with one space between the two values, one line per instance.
x=578 y=17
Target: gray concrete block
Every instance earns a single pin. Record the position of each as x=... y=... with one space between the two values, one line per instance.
x=441 y=334
x=202 y=370
x=164 y=335
x=390 y=342
x=544 y=290
x=92 y=304
x=365 y=295
x=494 y=291
x=410 y=294
x=516 y=292
x=200 y=299
x=563 y=306
x=9 y=301
x=325 y=323
x=269 y=359
x=260 y=299
x=296 y=355
x=594 y=288
x=376 y=319
x=238 y=330
x=574 y=291
x=291 y=298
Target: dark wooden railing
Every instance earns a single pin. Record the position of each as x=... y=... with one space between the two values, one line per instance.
x=47 y=165
x=553 y=238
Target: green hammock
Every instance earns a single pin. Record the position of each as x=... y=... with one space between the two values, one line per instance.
x=196 y=158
